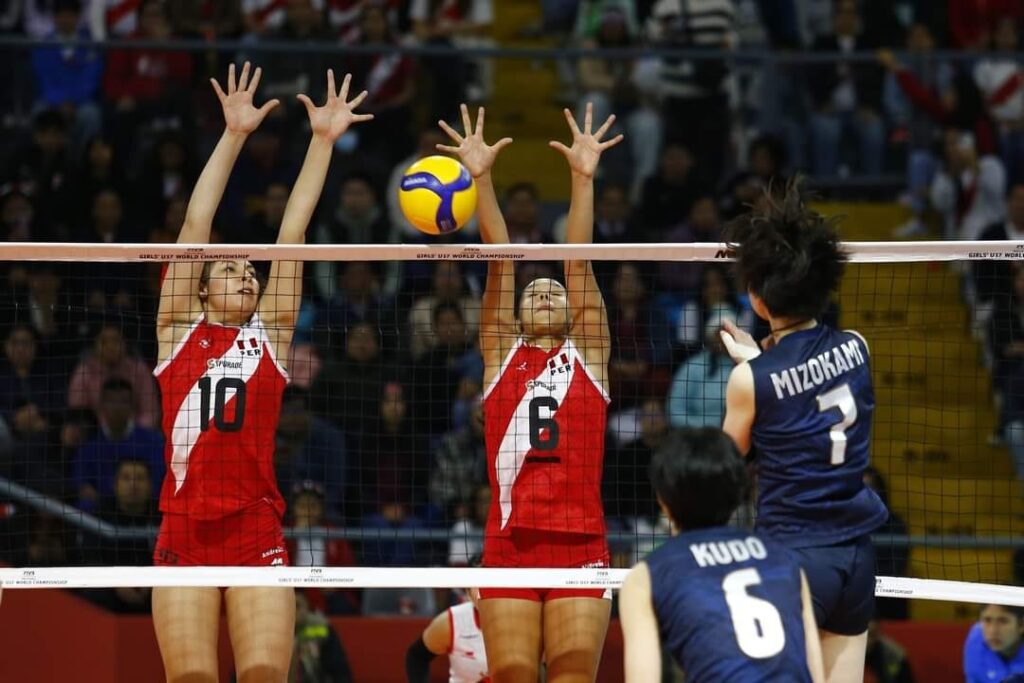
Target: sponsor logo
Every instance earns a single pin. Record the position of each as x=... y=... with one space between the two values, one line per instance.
x=213 y=363
x=539 y=384
x=277 y=550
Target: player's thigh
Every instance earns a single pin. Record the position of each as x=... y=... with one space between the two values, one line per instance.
x=843 y=657
x=187 y=625
x=512 y=638
x=574 y=633
x=261 y=622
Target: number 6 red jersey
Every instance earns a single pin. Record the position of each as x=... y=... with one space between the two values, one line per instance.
x=221 y=393
x=544 y=420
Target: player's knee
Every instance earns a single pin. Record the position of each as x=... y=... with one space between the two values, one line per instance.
x=193 y=677
x=514 y=672
x=571 y=667
x=263 y=673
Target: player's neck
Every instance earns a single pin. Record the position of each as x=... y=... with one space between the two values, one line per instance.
x=783 y=326
x=546 y=342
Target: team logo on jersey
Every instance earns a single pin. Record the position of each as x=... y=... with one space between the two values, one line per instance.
x=522 y=366
x=204 y=343
x=560 y=365
x=249 y=347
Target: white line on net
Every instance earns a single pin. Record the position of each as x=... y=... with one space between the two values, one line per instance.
x=860 y=252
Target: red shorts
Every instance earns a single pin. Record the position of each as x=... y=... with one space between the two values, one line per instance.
x=526 y=548
x=248 y=538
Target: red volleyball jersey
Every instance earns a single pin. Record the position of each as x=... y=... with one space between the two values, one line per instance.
x=221 y=390
x=544 y=419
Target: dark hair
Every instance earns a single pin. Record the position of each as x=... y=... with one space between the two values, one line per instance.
x=295 y=394
x=446 y=305
x=131 y=461
x=1015 y=610
x=21 y=327
x=528 y=188
x=67 y=6
x=699 y=477
x=116 y=384
x=49 y=119
x=787 y=254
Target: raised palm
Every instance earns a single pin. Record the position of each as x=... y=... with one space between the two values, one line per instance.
x=240 y=115
x=333 y=119
x=586 y=146
x=477 y=156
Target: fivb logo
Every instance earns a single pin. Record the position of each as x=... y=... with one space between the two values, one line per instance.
x=726 y=552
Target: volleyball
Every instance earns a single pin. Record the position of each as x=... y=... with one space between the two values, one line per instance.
x=437 y=195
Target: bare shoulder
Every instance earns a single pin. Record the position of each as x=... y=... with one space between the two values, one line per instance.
x=741 y=379
x=637 y=583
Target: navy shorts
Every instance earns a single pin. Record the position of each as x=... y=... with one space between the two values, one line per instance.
x=842 y=582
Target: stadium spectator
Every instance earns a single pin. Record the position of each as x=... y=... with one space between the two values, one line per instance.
x=131 y=505
x=147 y=87
x=121 y=17
x=304 y=364
x=766 y=165
x=613 y=217
x=641 y=340
x=704 y=224
x=44 y=168
x=609 y=86
x=389 y=78
x=25 y=384
x=309 y=448
x=693 y=92
x=263 y=163
x=169 y=173
x=18 y=218
x=318 y=655
x=345 y=17
x=891 y=559
x=119 y=438
x=206 y=19
x=289 y=72
x=357 y=298
x=993 y=280
x=1006 y=339
x=717 y=290
x=993 y=649
x=886 y=661
x=68 y=77
x=669 y=194
x=970 y=21
x=41 y=17
x=115 y=286
x=696 y=397
x=471 y=518
x=100 y=169
x=847 y=99
x=521 y=208
x=448 y=284
x=1001 y=82
x=347 y=392
x=969 y=191
x=460 y=465
x=261 y=227
x=307 y=511
x=263 y=16
x=110 y=358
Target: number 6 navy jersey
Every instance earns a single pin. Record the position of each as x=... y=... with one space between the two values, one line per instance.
x=544 y=422
x=729 y=608
x=812 y=432
x=221 y=392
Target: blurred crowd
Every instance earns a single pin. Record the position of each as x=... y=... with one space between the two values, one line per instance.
x=381 y=426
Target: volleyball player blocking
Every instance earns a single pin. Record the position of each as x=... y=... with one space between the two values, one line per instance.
x=222 y=333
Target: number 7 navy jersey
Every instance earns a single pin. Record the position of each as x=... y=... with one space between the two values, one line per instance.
x=812 y=431
x=544 y=423
x=221 y=394
x=729 y=607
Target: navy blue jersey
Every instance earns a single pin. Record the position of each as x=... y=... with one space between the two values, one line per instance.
x=728 y=607
x=812 y=432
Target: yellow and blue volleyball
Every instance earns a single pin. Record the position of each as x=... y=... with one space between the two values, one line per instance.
x=437 y=195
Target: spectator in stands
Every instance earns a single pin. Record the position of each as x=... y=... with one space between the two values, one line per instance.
x=122 y=17
x=287 y=72
x=696 y=397
x=886 y=661
x=448 y=285
x=110 y=358
x=847 y=99
x=25 y=386
x=913 y=124
x=42 y=302
x=145 y=85
x=641 y=341
x=613 y=216
x=522 y=214
x=68 y=77
x=318 y=656
x=119 y=438
x=891 y=559
x=993 y=280
x=41 y=18
x=969 y=191
x=347 y=392
x=357 y=298
x=470 y=520
x=669 y=195
x=304 y=364
x=608 y=85
x=1006 y=337
x=100 y=170
x=131 y=505
x=389 y=78
x=970 y=21
x=260 y=17
x=262 y=226
x=1001 y=82
x=49 y=543
x=262 y=163
x=18 y=218
x=45 y=168
x=460 y=465
x=993 y=649
x=693 y=92
x=169 y=173
x=309 y=448
x=766 y=165
x=717 y=293
x=307 y=511
x=704 y=224
x=205 y=19
x=345 y=17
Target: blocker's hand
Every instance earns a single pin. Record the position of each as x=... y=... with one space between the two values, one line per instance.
x=586 y=146
x=338 y=113
x=240 y=115
x=738 y=343
x=477 y=156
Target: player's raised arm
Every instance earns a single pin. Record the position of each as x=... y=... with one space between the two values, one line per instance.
x=497 y=314
x=280 y=303
x=590 y=319
x=179 y=294
x=642 y=657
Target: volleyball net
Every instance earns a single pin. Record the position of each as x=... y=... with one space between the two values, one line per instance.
x=378 y=447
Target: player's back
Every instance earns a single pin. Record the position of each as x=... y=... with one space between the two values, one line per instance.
x=728 y=604
x=812 y=431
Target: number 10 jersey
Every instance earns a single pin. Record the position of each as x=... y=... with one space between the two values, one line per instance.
x=544 y=419
x=221 y=392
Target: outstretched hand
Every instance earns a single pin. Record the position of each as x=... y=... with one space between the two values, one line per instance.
x=477 y=156
x=240 y=115
x=586 y=146
x=333 y=119
x=740 y=346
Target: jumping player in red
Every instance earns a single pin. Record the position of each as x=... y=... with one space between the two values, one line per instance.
x=545 y=407
x=221 y=333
